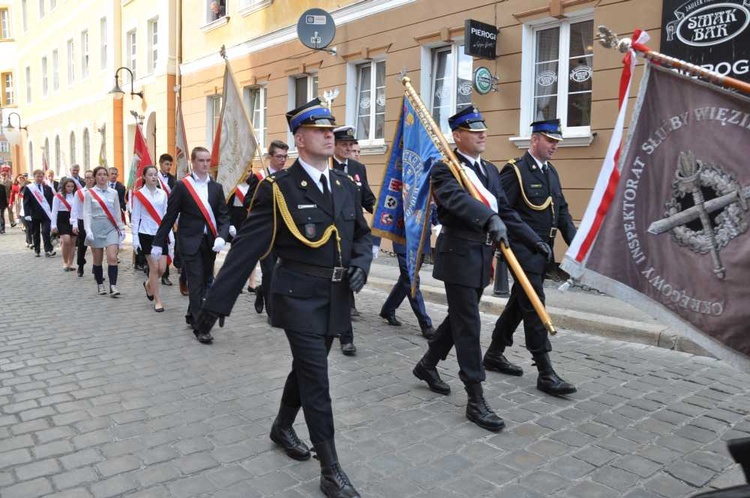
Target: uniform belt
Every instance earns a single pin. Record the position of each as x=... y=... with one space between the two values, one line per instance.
x=335 y=274
x=467 y=234
x=552 y=233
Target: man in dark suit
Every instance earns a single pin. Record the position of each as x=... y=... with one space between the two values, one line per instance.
x=204 y=227
x=533 y=188
x=37 y=208
x=166 y=183
x=51 y=182
x=463 y=260
x=117 y=185
x=278 y=152
x=324 y=250
x=342 y=160
x=75 y=171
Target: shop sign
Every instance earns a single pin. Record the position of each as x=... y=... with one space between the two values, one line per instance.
x=481 y=39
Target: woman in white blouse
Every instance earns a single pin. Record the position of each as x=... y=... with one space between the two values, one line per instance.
x=149 y=206
x=61 y=207
x=105 y=229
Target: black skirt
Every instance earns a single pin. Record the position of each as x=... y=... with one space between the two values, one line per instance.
x=63 y=223
x=147 y=242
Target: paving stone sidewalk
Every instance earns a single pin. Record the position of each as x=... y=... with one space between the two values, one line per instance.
x=102 y=397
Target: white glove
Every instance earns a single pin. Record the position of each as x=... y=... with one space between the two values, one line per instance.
x=136 y=242
x=232 y=231
x=27 y=218
x=218 y=244
x=156 y=252
x=89 y=237
x=436 y=230
x=375 y=252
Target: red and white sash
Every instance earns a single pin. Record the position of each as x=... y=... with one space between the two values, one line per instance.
x=80 y=185
x=105 y=208
x=61 y=198
x=204 y=207
x=80 y=192
x=240 y=192
x=41 y=200
x=262 y=174
x=164 y=185
x=149 y=206
x=485 y=195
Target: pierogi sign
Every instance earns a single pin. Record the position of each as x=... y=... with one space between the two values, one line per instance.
x=713 y=34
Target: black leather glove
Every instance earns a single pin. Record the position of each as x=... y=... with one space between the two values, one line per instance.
x=496 y=229
x=206 y=321
x=544 y=249
x=356 y=278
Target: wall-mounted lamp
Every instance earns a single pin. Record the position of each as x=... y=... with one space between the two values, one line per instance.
x=13 y=133
x=117 y=92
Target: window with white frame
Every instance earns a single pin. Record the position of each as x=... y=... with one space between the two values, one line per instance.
x=45 y=81
x=7 y=89
x=86 y=149
x=58 y=153
x=72 y=157
x=557 y=75
x=257 y=105
x=31 y=155
x=305 y=89
x=103 y=41
x=24 y=10
x=153 y=40
x=4 y=24
x=131 y=48
x=214 y=114
x=4 y=146
x=84 y=53
x=450 y=85
x=52 y=4
x=41 y=8
x=28 y=84
x=370 y=104
x=71 y=62
x=55 y=70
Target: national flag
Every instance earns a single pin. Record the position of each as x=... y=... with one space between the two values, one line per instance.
x=234 y=144
x=183 y=166
x=141 y=155
x=403 y=210
x=674 y=240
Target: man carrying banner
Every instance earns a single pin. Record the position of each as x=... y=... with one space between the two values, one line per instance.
x=311 y=216
x=37 y=208
x=533 y=188
x=204 y=227
x=463 y=260
x=166 y=183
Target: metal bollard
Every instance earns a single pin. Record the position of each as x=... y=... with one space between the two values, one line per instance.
x=500 y=287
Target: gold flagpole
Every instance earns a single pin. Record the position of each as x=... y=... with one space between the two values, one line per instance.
x=442 y=144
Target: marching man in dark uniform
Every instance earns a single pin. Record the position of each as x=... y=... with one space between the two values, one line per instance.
x=533 y=188
x=463 y=261
x=311 y=216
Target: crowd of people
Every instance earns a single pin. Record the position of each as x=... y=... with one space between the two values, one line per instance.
x=305 y=225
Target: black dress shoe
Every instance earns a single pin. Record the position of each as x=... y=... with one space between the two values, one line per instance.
x=288 y=440
x=258 y=300
x=189 y=319
x=428 y=332
x=479 y=411
x=348 y=348
x=432 y=377
x=166 y=281
x=496 y=361
x=548 y=381
x=80 y=271
x=391 y=319
x=204 y=337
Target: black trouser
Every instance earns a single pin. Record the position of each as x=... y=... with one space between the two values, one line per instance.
x=401 y=290
x=27 y=226
x=307 y=384
x=519 y=308
x=199 y=268
x=461 y=328
x=2 y=216
x=41 y=227
x=266 y=269
x=81 y=245
x=347 y=337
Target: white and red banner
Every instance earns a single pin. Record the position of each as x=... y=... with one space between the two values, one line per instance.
x=672 y=233
x=234 y=144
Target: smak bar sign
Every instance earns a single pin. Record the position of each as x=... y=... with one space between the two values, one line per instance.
x=713 y=34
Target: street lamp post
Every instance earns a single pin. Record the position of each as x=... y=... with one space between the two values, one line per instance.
x=117 y=92
x=13 y=133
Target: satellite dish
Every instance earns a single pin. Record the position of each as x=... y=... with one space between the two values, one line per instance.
x=316 y=29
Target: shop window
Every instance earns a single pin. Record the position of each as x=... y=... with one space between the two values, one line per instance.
x=450 y=83
x=257 y=105
x=370 y=101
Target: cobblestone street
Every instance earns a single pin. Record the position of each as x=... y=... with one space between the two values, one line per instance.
x=102 y=397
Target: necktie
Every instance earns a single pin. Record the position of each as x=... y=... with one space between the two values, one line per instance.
x=478 y=169
x=324 y=182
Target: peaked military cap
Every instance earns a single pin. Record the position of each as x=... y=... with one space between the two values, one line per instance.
x=345 y=134
x=468 y=119
x=312 y=114
x=550 y=128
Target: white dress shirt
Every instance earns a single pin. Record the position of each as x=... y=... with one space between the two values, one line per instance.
x=140 y=219
x=58 y=206
x=315 y=174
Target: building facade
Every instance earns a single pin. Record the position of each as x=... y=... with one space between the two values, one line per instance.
x=8 y=152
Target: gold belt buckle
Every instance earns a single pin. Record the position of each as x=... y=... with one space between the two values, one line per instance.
x=552 y=233
x=338 y=274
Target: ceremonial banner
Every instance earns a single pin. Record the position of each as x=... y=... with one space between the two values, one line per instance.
x=141 y=155
x=674 y=241
x=45 y=164
x=183 y=166
x=403 y=211
x=234 y=153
